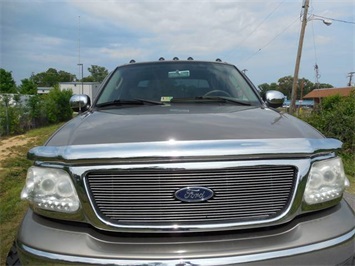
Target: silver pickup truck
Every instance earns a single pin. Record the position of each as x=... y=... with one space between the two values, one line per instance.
x=181 y=163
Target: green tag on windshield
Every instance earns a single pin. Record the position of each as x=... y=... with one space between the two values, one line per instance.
x=166 y=98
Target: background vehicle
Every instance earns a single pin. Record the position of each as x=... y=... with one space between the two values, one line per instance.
x=182 y=163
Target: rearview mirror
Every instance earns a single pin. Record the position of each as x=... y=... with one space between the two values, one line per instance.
x=275 y=99
x=80 y=102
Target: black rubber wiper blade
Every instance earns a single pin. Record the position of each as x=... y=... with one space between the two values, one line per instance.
x=184 y=100
x=148 y=101
x=128 y=102
x=119 y=103
x=225 y=99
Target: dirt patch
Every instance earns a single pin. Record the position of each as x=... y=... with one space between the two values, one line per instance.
x=7 y=145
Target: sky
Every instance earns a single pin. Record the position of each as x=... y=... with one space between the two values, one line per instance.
x=256 y=35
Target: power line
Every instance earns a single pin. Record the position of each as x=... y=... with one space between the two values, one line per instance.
x=266 y=45
x=338 y=20
x=261 y=23
x=257 y=27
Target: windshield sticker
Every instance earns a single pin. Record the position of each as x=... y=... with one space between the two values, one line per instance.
x=179 y=74
x=166 y=98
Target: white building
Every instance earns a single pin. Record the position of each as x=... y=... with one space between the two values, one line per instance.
x=43 y=90
x=89 y=88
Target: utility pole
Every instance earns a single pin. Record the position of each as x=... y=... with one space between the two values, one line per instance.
x=298 y=58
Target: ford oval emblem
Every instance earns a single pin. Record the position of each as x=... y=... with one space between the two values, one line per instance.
x=194 y=194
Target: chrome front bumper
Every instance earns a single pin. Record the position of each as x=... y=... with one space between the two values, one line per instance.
x=322 y=238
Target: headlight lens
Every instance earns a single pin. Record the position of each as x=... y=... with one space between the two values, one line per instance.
x=326 y=181
x=50 y=189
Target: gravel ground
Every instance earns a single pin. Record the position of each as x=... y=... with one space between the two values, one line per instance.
x=350 y=198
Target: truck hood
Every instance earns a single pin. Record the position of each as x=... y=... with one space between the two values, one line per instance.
x=180 y=123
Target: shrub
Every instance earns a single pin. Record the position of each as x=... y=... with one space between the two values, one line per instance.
x=17 y=117
x=11 y=112
x=335 y=118
x=57 y=105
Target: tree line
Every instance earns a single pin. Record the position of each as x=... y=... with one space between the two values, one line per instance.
x=284 y=85
x=22 y=108
x=48 y=78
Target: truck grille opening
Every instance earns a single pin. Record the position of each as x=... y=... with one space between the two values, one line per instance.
x=147 y=196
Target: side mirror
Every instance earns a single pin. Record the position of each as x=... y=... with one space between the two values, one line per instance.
x=274 y=99
x=80 y=102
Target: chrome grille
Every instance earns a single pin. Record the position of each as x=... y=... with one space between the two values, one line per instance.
x=146 y=196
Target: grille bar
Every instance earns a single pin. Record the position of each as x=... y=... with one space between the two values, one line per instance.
x=146 y=196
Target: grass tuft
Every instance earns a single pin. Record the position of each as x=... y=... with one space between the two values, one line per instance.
x=13 y=169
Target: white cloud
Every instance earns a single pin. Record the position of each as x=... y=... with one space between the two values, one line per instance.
x=51 y=59
x=45 y=41
x=121 y=53
x=194 y=26
x=322 y=40
x=261 y=36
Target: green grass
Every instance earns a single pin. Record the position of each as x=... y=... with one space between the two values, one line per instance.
x=12 y=178
x=349 y=165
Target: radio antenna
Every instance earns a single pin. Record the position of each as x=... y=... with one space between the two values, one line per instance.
x=79 y=41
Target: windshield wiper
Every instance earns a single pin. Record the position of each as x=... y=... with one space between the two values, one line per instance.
x=210 y=99
x=128 y=102
x=119 y=103
x=149 y=101
x=225 y=99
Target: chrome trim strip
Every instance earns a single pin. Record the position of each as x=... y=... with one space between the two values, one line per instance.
x=251 y=148
x=220 y=261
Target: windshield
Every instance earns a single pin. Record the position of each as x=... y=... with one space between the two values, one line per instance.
x=177 y=81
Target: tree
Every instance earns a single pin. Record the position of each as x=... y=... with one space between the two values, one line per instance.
x=28 y=87
x=46 y=79
x=7 y=83
x=65 y=76
x=52 y=77
x=98 y=74
x=267 y=87
x=305 y=86
x=11 y=112
x=37 y=112
x=4 y=115
x=285 y=85
x=324 y=86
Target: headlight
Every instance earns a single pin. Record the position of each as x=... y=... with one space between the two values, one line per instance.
x=50 y=189
x=326 y=181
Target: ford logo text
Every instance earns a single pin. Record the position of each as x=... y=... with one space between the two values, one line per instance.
x=194 y=194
